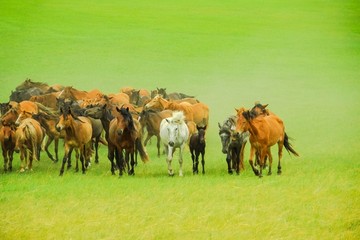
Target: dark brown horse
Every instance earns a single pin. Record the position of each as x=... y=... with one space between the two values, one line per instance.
x=197 y=146
x=151 y=120
x=125 y=135
x=7 y=139
x=78 y=134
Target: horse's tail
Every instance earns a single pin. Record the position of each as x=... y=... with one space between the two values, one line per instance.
x=30 y=136
x=288 y=146
x=140 y=147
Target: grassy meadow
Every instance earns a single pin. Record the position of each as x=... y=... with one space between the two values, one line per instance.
x=301 y=57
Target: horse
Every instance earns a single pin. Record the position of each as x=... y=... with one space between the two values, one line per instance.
x=28 y=83
x=48 y=100
x=199 y=112
x=151 y=120
x=78 y=135
x=74 y=94
x=7 y=139
x=125 y=134
x=233 y=144
x=172 y=96
x=29 y=136
x=48 y=122
x=265 y=131
x=197 y=146
x=140 y=97
x=174 y=133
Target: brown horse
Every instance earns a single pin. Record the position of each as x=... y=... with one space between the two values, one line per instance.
x=29 y=136
x=125 y=134
x=28 y=83
x=151 y=120
x=48 y=100
x=199 y=112
x=7 y=139
x=78 y=134
x=74 y=94
x=265 y=131
x=48 y=122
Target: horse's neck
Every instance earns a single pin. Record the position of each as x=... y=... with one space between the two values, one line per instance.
x=164 y=103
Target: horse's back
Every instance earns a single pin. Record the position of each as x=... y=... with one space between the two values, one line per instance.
x=28 y=106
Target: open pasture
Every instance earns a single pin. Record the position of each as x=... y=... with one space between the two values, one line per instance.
x=301 y=57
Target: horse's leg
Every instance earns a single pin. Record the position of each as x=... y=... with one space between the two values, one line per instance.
x=77 y=156
x=263 y=154
x=11 y=156
x=82 y=157
x=132 y=170
x=242 y=165
x=69 y=158
x=181 y=151
x=270 y=161
x=31 y=157
x=56 y=143
x=46 y=148
x=158 y=145
x=65 y=159
x=197 y=153
x=203 y=160
x=119 y=160
x=111 y=150
x=280 y=147
x=5 y=156
x=252 y=153
x=96 y=149
x=169 y=151
x=237 y=159
x=193 y=159
x=228 y=160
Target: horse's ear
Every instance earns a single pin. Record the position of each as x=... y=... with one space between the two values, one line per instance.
x=104 y=106
x=219 y=125
x=265 y=106
x=127 y=109
x=117 y=109
x=167 y=120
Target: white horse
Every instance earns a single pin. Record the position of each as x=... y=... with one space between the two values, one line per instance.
x=174 y=133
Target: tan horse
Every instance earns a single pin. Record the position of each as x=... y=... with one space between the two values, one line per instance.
x=265 y=131
x=198 y=113
x=78 y=135
x=29 y=136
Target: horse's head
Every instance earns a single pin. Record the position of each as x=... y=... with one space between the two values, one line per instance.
x=95 y=112
x=224 y=134
x=173 y=132
x=7 y=133
x=9 y=117
x=259 y=109
x=66 y=119
x=154 y=103
x=201 y=133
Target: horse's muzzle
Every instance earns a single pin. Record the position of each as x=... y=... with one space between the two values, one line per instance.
x=171 y=144
x=224 y=150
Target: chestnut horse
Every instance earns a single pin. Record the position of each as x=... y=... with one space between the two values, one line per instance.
x=199 y=112
x=125 y=134
x=265 y=131
x=74 y=94
x=78 y=135
x=7 y=139
x=29 y=136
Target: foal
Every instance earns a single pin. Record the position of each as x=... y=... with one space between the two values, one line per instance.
x=197 y=146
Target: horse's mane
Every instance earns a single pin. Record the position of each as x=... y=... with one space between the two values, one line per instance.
x=178 y=117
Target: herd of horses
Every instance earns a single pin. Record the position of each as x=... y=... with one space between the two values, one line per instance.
x=38 y=114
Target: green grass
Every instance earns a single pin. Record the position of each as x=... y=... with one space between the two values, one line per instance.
x=301 y=57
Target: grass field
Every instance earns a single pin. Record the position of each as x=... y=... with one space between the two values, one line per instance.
x=301 y=57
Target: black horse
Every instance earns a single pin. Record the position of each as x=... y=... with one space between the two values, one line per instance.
x=197 y=146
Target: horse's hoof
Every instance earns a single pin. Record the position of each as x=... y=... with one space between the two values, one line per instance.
x=260 y=176
x=97 y=161
x=230 y=172
x=69 y=166
x=22 y=170
x=269 y=173
x=279 y=172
